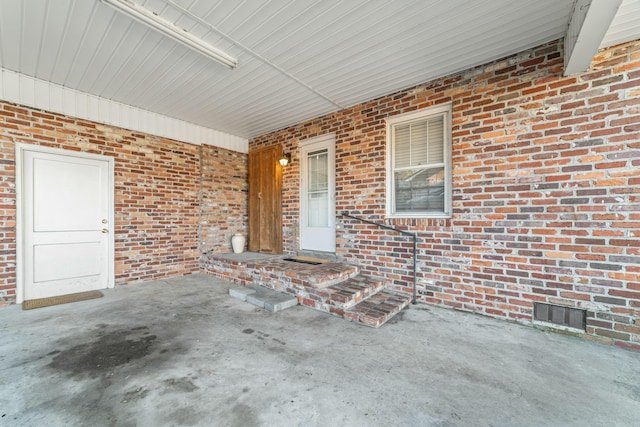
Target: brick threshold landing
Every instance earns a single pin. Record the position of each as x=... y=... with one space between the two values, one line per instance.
x=333 y=287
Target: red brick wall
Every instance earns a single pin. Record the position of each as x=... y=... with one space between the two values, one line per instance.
x=224 y=198
x=546 y=198
x=157 y=193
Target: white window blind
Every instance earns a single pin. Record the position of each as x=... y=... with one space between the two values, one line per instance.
x=419 y=143
x=318 y=191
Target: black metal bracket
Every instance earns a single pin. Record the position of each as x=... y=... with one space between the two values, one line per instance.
x=403 y=232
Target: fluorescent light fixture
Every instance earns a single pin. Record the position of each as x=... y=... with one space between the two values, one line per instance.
x=152 y=20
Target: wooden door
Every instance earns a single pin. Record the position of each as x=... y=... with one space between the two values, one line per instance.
x=265 y=200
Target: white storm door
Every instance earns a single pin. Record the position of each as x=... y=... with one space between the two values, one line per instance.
x=66 y=222
x=317 y=195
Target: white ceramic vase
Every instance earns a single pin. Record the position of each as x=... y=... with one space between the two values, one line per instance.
x=237 y=243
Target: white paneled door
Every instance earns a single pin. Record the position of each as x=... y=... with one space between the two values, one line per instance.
x=317 y=195
x=65 y=203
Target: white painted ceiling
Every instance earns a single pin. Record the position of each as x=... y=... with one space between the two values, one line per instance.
x=297 y=58
x=625 y=25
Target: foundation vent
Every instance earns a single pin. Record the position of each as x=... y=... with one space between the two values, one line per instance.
x=559 y=315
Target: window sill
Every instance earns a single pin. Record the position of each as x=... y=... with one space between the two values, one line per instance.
x=419 y=216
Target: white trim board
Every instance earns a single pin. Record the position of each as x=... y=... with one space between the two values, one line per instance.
x=31 y=92
x=590 y=21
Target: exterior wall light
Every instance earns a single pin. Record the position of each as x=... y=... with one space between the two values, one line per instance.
x=285 y=159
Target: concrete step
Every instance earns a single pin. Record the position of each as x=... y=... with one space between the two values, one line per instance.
x=268 y=299
x=377 y=309
x=351 y=291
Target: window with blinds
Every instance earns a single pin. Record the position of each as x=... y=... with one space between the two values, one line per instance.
x=318 y=189
x=419 y=164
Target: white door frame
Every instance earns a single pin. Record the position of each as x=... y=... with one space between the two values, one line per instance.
x=21 y=148
x=327 y=141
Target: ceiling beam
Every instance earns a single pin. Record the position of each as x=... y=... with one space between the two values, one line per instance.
x=589 y=23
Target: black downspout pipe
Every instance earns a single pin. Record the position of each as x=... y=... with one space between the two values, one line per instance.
x=406 y=233
x=415 y=280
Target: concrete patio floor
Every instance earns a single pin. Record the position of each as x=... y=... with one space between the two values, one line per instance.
x=182 y=352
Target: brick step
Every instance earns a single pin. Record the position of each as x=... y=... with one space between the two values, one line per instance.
x=296 y=275
x=350 y=292
x=377 y=309
x=331 y=287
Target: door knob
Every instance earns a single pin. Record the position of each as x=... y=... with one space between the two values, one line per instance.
x=105 y=231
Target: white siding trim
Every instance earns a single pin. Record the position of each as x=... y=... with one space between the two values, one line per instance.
x=31 y=92
x=589 y=24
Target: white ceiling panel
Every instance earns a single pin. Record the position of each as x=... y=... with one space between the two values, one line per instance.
x=297 y=58
x=51 y=33
x=11 y=33
x=33 y=37
x=625 y=26
x=73 y=45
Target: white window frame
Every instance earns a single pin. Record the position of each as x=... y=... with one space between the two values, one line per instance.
x=445 y=111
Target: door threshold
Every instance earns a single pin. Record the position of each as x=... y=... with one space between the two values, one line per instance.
x=331 y=256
